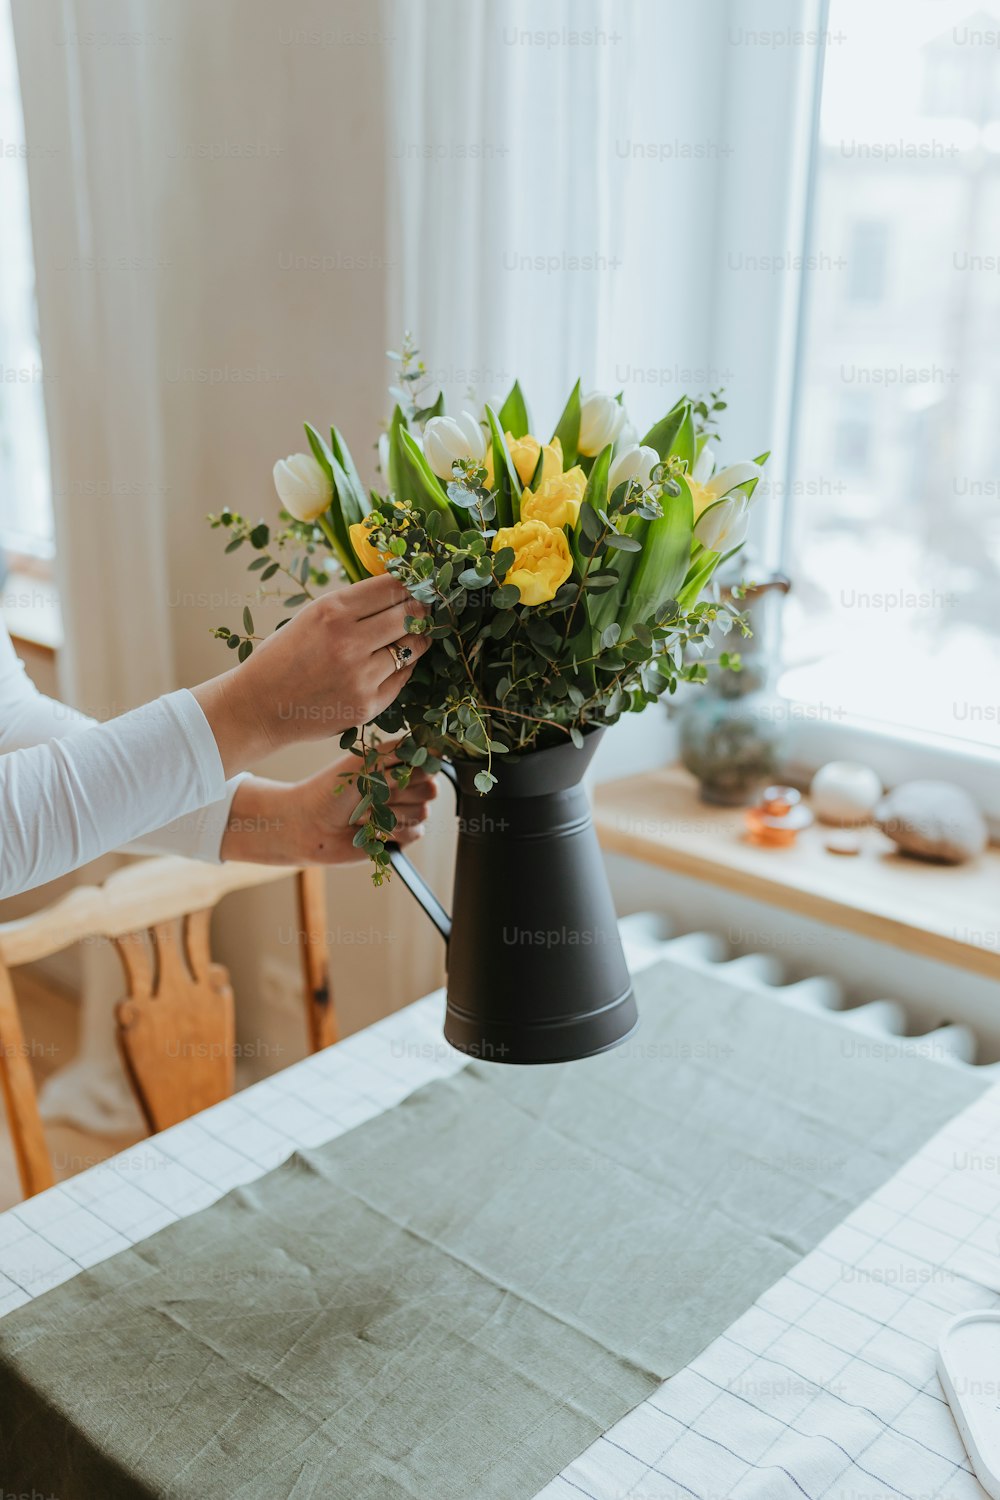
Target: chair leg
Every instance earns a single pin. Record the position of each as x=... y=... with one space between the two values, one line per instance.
x=321 y=1019
x=34 y=1165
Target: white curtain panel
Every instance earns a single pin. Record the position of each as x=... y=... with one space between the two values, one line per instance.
x=567 y=183
x=566 y=179
x=95 y=234
x=209 y=224
x=550 y=219
x=97 y=240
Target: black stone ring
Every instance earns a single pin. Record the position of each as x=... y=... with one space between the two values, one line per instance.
x=401 y=656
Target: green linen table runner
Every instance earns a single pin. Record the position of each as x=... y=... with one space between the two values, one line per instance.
x=453 y=1300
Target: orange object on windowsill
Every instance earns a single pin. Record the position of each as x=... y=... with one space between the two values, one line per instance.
x=777 y=818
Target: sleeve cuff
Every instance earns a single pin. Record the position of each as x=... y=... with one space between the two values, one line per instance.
x=187 y=712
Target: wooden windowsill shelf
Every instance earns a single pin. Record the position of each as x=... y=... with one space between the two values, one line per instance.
x=29 y=607
x=950 y=913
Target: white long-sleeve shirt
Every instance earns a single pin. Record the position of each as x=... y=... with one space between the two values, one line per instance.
x=72 y=789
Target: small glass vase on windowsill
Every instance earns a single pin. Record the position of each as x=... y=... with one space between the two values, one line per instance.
x=732 y=731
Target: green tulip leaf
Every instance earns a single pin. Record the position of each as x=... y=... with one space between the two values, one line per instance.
x=568 y=428
x=513 y=415
x=673 y=435
x=426 y=490
x=506 y=483
x=663 y=564
x=321 y=452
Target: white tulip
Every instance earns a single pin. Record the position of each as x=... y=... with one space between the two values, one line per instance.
x=303 y=488
x=737 y=474
x=628 y=437
x=383 y=454
x=704 y=464
x=601 y=420
x=449 y=439
x=722 y=510
x=634 y=463
x=725 y=526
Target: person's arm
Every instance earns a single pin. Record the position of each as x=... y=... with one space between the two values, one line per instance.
x=308 y=822
x=68 y=801
x=28 y=717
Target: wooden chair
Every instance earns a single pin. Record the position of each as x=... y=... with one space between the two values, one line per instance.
x=176 y=1024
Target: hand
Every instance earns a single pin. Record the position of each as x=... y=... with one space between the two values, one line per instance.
x=325 y=671
x=308 y=822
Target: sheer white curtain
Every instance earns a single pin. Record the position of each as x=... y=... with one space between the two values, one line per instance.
x=565 y=178
x=97 y=243
x=24 y=483
x=507 y=221
x=88 y=111
x=209 y=228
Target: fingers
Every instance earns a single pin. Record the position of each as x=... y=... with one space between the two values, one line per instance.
x=372 y=595
x=392 y=684
x=420 y=790
x=404 y=835
x=385 y=664
x=411 y=804
x=389 y=624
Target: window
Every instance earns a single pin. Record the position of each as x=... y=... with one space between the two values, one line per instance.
x=895 y=614
x=25 y=496
x=866 y=260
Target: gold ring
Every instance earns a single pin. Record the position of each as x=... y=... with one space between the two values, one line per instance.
x=401 y=656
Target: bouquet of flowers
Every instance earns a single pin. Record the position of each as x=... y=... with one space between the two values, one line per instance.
x=564 y=579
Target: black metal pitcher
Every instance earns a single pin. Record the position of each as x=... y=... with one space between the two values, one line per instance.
x=536 y=972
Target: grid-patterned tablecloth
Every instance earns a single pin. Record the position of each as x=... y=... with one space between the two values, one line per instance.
x=824 y=1388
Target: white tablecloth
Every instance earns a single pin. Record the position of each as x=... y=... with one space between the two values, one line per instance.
x=826 y=1387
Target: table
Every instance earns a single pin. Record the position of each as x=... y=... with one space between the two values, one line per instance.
x=825 y=1387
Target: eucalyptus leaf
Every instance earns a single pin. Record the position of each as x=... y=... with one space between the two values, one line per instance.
x=590 y=522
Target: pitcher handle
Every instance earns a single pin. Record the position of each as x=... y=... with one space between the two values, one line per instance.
x=415 y=882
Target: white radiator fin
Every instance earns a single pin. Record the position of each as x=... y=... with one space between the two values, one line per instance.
x=649 y=937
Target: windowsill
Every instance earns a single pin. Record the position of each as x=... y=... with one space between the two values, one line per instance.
x=29 y=606
x=943 y=912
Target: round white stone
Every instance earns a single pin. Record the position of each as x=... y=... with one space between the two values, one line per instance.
x=845 y=792
x=934 y=820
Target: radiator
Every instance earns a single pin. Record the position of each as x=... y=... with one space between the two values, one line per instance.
x=650 y=936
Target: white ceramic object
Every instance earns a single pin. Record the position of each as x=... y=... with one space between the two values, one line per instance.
x=968 y=1363
x=845 y=792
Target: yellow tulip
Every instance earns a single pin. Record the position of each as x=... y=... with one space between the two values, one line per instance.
x=557 y=500
x=542 y=559
x=369 y=557
x=524 y=453
x=524 y=456
x=700 y=494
